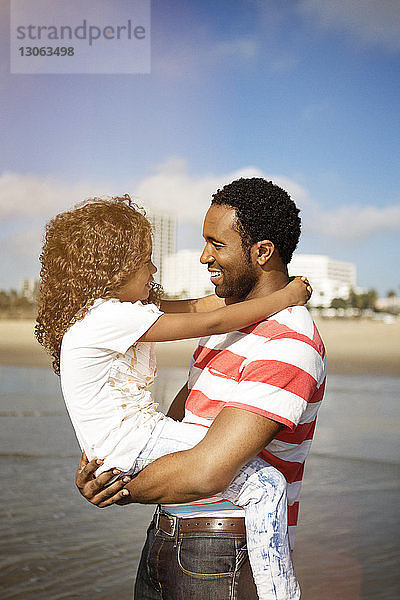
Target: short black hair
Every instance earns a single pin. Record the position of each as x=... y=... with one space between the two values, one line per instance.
x=264 y=211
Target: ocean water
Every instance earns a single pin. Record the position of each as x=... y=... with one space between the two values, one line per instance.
x=55 y=545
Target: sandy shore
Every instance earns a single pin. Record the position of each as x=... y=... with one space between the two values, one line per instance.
x=353 y=347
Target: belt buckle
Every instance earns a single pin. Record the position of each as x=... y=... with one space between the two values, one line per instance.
x=156 y=518
x=173 y=520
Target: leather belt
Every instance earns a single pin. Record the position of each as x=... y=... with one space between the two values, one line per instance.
x=170 y=524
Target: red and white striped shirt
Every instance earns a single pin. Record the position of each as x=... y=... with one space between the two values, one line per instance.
x=275 y=368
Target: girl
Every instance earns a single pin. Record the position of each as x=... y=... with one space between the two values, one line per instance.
x=99 y=315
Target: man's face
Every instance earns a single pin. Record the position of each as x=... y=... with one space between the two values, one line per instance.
x=232 y=272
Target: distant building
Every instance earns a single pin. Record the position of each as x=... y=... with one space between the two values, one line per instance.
x=164 y=240
x=329 y=278
x=30 y=289
x=184 y=276
x=391 y=303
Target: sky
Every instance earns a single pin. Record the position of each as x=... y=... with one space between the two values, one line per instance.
x=302 y=92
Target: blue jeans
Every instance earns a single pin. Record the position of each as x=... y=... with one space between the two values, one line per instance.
x=261 y=490
x=194 y=566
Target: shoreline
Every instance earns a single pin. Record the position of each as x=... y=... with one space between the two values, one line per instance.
x=354 y=347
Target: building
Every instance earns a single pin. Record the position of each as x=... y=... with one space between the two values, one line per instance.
x=30 y=289
x=184 y=276
x=329 y=278
x=390 y=303
x=164 y=240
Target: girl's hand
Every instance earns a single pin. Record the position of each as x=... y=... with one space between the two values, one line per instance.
x=299 y=290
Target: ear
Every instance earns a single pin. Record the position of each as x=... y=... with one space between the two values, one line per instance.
x=262 y=252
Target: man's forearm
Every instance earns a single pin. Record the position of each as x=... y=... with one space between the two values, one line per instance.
x=173 y=478
x=208 y=468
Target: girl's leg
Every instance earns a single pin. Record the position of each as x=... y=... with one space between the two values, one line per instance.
x=169 y=436
x=261 y=490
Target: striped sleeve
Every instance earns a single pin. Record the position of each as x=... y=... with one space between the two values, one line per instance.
x=280 y=382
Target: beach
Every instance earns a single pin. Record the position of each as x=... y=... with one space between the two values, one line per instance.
x=54 y=545
x=353 y=346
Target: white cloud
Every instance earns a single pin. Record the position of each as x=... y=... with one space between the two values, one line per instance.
x=372 y=21
x=27 y=201
x=35 y=196
x=202 y=52
x=354 y=222
x=186 y=58
x=173 y=189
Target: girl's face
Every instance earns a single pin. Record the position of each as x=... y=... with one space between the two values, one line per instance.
x=138 y=286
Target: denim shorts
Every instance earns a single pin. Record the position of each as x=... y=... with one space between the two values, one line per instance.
x=194 y=566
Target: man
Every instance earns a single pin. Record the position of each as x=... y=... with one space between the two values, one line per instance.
x=258 y=391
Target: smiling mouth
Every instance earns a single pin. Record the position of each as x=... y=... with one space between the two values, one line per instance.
x=215 y=277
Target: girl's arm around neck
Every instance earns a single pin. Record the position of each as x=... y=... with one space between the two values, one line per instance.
x=178 y=326
x=194 y=305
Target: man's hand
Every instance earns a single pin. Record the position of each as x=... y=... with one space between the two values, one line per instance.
x=92 y=488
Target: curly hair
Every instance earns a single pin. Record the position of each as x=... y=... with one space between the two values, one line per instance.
x=264 y=211
x=88 y=253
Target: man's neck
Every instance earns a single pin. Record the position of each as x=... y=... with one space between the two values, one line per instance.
x=269 y=282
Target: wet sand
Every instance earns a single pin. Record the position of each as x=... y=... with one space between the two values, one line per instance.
x=54 y=545
x=353 y=347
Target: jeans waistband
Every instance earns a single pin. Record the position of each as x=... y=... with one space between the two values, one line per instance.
x=172 y=525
